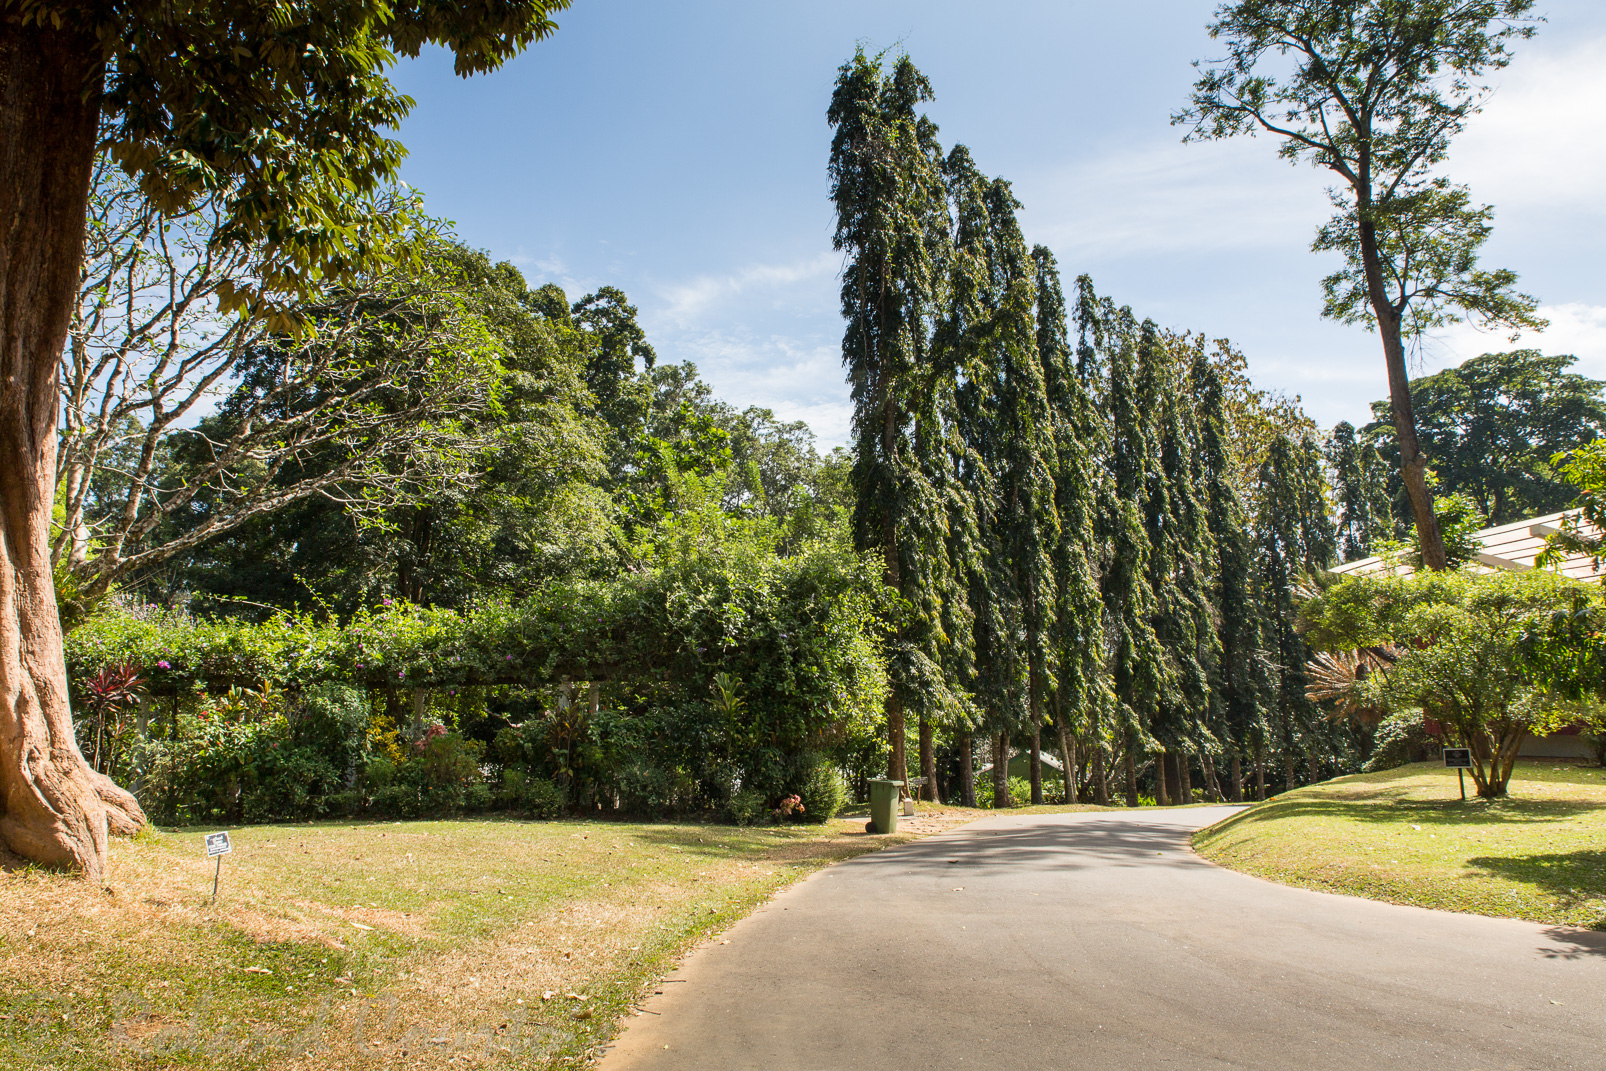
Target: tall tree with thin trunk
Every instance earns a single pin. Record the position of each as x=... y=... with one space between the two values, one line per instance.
x=1373 y=91
x=1238 y=680
x=891 y=223
x=1081 y=691
x=284 y=109
x=1139 y=671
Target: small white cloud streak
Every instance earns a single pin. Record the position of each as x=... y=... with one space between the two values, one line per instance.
x=685 y=304
x=1577 y=328
x=1165 y=197
x=756 y=336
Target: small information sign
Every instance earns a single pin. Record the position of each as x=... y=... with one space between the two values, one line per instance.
x=217 y=844
x=1458 y=758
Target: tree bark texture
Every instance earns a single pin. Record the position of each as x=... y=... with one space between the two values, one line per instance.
x=1260 y=778
x=967 y=770
x=897 y=757
x=56 y=809
x=1237 y=777
x=1162 y=791
x=1001 y=771
x=1101 y=779
x=1069 y=758
x=928 y=762
x=1036 y=766
x=1184 y=777
x=1290 y=776
x=1130 y=762
x=1413 y=463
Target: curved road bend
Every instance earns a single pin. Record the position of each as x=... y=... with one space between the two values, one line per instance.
x=1099 y=940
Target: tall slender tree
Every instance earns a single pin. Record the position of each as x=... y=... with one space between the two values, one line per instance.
x=1373 y=92
x=1238 y=679
x=887 y=188
x=1080 y=691
x=1360 y=492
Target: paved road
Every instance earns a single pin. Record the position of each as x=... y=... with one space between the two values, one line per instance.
x=1099 y=940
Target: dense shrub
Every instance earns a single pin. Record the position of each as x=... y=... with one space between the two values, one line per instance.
x=1400 y=738
x=747 y=807
x=1020 y=791
x=535 y=797
x=824 y=793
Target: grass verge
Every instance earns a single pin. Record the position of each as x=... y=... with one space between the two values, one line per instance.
x=1405 y=836
x=376 y=945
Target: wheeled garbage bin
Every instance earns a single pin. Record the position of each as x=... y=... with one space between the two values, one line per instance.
x=884 y=804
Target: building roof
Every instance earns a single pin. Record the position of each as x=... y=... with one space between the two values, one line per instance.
x=1510 y=547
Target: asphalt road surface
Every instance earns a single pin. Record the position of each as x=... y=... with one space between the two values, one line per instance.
x=1098 y=940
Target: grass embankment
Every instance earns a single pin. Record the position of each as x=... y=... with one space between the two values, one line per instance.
x=376 y=945
x=1405 y=836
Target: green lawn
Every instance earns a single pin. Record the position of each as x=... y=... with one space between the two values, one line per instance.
x=376 y=945
x=1405 y=836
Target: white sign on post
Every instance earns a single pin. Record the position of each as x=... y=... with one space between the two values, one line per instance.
x=217 y=845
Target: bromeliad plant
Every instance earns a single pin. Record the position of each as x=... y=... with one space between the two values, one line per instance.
x=1492 y=658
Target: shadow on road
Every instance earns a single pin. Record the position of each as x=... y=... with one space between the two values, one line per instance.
x=1046 y=846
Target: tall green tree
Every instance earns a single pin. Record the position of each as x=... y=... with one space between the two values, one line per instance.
x=287 y=112
x=1491 y=425
x=1080 y=690
x=1140 y=674
x=1238 y=676
x=1181 y=561
x=1295 y=539
x=1360 y=491
x=891 y=224
x=1374 y=91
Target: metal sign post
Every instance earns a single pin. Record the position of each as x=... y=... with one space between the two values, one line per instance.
x=217 y=846
x=1460 y=759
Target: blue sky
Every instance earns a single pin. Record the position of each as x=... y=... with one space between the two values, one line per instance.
x=678 y=151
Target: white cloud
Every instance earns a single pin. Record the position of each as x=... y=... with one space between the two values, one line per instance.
x=685 y=304
x=1165 y=197
x=1540 y=142
x=1576 y=328
x=758 y=336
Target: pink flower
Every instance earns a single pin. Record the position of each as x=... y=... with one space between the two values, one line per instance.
x=163 y=665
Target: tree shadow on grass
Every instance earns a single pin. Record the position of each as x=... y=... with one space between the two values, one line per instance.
x=1574 y=878
x=1395 y=809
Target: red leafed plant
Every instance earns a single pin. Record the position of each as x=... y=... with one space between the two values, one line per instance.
x=107 y=696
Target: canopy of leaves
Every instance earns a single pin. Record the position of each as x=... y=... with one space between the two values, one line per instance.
x=1492 y=657
x=1491 y=426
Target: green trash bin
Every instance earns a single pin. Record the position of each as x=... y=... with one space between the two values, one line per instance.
x=884 y=804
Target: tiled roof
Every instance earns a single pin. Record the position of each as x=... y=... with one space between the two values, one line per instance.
x=1511 y=547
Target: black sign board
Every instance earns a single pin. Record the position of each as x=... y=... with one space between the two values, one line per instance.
x=217 y=844
x=1458 y=758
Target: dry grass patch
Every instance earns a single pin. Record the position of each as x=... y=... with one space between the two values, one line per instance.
x=376 y=945
x=1405 y=836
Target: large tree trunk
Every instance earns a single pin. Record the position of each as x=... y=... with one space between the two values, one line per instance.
x=1130 y=762
x=1413 y=463
x=1184 y=777
x=1036 y=763
x=1162 y=791
x=967 y=770
x=1260 y=775
x=928 y=762
x=1101 y=779
x=56 y=809
x=897 y=756
x=1001 y=771
x=1237 y=777
x=1068 y=758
